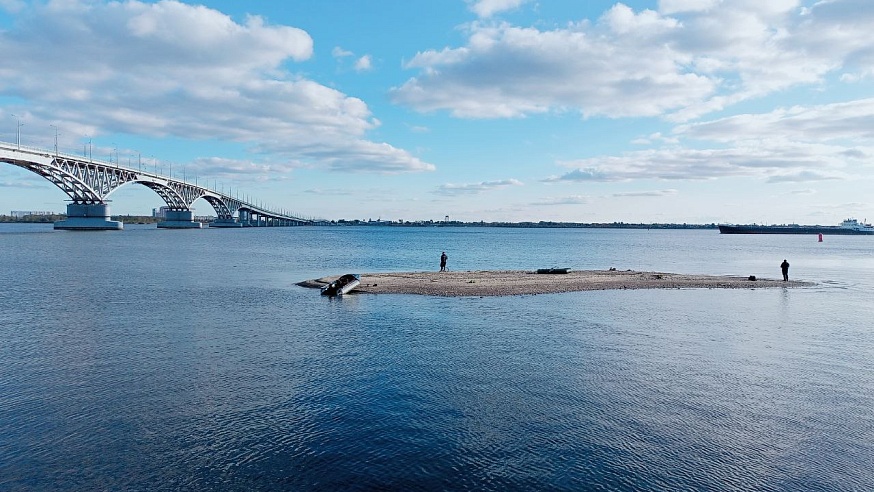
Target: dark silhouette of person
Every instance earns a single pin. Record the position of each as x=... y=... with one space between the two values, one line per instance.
x=443 y=259
x=785 y=267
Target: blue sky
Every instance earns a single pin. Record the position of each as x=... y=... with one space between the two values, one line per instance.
x=499 y=110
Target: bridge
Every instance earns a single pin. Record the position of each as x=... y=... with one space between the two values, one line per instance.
x=89 y=182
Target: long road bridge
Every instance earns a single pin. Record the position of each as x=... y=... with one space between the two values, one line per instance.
x=89 y=182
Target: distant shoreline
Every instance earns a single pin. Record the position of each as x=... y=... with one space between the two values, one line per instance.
x=128 y=219
x=527 y=225
x=522 y=282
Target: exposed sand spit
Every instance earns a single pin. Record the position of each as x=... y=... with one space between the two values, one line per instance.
x=517 y=282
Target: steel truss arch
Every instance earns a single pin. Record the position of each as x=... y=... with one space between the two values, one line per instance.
x=91 y=182
x=84 y=183
x=178 y=196
x=224 y=207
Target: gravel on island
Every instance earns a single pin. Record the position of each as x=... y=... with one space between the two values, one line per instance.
x=520 y=282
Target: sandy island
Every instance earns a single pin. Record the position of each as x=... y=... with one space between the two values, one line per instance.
x=518 y=282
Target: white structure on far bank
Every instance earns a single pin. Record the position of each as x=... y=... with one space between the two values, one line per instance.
x=19 y=214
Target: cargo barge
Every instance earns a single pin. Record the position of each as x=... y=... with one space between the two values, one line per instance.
x=847 y=227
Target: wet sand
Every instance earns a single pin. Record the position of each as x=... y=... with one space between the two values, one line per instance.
x=520 y=282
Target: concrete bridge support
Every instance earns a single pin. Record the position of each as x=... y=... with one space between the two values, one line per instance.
x=179 y=219
x=88 y=217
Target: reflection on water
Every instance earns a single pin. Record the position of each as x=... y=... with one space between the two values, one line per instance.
x=152 y=360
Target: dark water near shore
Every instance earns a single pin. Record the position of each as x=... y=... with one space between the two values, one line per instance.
x=167 y=360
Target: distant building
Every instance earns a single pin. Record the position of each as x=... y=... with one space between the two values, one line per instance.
x=19 y=214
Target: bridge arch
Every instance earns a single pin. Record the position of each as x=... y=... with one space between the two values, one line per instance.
x=89 y=184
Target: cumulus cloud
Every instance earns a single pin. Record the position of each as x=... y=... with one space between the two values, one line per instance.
x=475 y=188
x=507 y=71
x=339 y=52
x=218 y=167
x=365 y=156
x=655 y=138
x=684 y=61
x=845 y=121
x=580 y=175
x=363 y=64
x=171 y=69
x=676 y=6
x=796 y=144
x=488 y=8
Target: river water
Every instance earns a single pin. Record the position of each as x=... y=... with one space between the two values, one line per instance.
x=164 y=360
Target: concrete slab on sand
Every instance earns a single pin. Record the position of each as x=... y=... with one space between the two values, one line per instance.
x=519 y=282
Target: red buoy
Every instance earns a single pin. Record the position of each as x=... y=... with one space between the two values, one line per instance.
x=820 y=237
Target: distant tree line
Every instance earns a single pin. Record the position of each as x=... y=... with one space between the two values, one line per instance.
x=49 y=219
x=33 y=218
x=531 y=225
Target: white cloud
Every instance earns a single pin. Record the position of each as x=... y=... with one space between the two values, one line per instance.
x=363 y=64
x=655 y=137
x=795 y=144
x=800 y=177
x=706 y=57
x=339 y=52
x=675 y=6
x=645 y=194
x=217 y=167
x=488 y=8
x=851 y=121
x=475 y=188
x=366 y=156
x=587 y=174
x=507 y=71
x=764 y=160
x=621 y=20
x=172 y=69
x=841 y=30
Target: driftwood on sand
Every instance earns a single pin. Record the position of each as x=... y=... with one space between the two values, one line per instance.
x=517 y=282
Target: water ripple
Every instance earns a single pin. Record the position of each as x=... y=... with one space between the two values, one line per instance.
x=232 y=378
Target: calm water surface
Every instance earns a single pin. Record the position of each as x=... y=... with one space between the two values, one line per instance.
x=168 y=360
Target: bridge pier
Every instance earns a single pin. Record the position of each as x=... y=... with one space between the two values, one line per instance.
x=88 y=217
x=179 y=219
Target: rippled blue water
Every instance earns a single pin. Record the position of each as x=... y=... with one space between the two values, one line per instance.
x=167 y=360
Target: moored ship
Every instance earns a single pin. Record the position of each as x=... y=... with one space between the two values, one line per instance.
x=847 y=227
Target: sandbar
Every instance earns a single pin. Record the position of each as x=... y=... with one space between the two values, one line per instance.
x=522 y=282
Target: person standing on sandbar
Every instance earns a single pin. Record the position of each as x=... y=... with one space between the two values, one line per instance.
x=443 y=259
x=785 y=267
